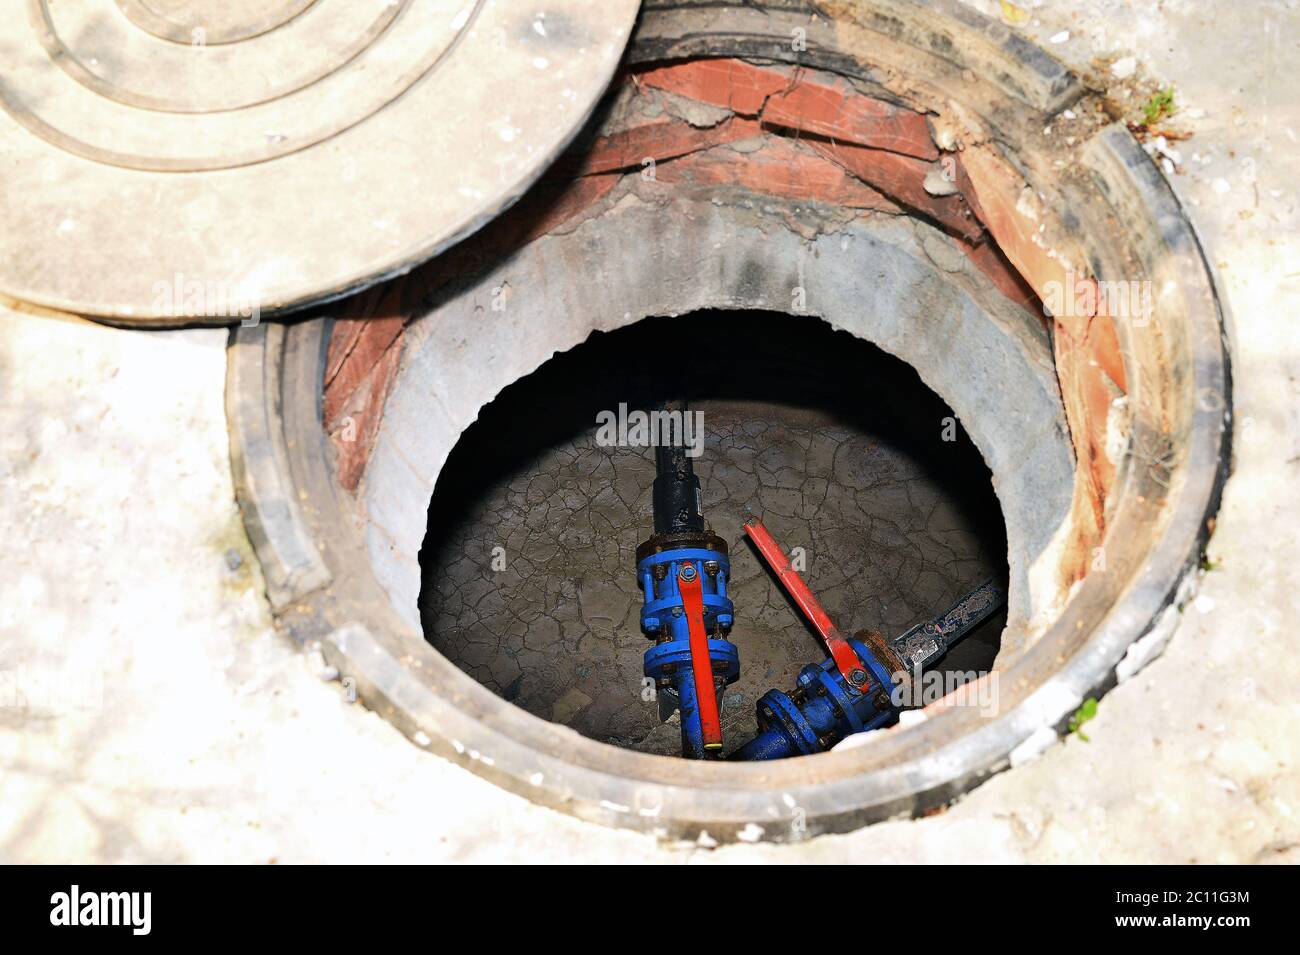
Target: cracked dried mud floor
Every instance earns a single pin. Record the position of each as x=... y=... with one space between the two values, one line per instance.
x=529 y=581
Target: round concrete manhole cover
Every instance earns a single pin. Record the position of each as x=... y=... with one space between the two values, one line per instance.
x=177 y=161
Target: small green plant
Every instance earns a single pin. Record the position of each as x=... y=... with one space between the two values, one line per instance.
x=1081 y=716
x=1159 y=106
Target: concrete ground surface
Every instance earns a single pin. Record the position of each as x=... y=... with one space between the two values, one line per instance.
x=150 y=713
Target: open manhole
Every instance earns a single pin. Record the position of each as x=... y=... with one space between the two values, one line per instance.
x=841 y=225
x=538 y=513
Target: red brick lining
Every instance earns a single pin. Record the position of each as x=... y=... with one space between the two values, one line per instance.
x=809 y=140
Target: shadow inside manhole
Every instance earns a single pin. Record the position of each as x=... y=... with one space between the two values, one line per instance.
x=529 y=580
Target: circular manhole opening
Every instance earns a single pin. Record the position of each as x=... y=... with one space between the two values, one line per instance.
x=884 y=180
x=886 y=506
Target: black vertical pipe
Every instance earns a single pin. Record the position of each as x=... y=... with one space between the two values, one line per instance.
x=676 y=494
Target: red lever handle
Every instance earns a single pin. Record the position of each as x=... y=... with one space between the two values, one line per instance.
x=706 y=698
x=846 y=660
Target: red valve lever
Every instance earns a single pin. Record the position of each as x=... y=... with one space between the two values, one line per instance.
x=706 y=697
x=846 y=660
